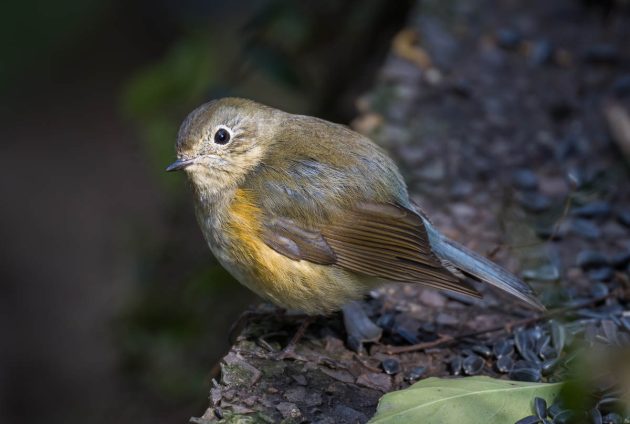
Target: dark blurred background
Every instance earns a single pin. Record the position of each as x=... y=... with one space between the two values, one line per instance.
x=112 y=308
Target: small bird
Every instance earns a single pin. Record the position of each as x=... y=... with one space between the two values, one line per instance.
x=311 y=215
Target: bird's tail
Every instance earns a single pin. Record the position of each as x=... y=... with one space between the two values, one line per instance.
x=477 y=266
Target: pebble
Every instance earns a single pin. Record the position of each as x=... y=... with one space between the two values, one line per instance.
x=546 y=272
x=598 y=290
x=406 y=334
x=548 y=353
x=461 y=190
x=525 y=374
x=386 y=321
x=621 y=86
x=601 y=54
x=599 y=209
x=540 y=406
x=601 y=274
x=554 y=409
x=525 y=179
x=473 y=364
x=415 y=373
x=596 y=416
x=585 y=228
x=548 y=366
x=446 y=319
x=624 y=218
x=429 y=327
x=299 y=379
x=344 y=413
x=580 y=177
x=531 y=419
x=546 y=231
x=542 y=343
x=564 y=417
x=536 y=333
x=541 y=53
x=610 y=331
x=505 y=364
x=508 y=38
x=502 y=348
x=554 y=186
x=432 y=298
x=523 y=343
x=613 y=418
x=590 y=334
x=534 y=202
x=620 y=260
x=391 y=366
x=482 y=350
x=462 y=88
x=558 y=335
x=561 y=111
x=590 y=259
x=433 y=171
x=456 y=365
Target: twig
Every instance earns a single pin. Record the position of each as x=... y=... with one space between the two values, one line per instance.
x=391 y=350
x=365 y=364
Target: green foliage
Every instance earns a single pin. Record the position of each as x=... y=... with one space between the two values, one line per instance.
x=462 y=401
x=159 y=97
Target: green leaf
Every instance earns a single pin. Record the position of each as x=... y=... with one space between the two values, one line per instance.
x=463 y=400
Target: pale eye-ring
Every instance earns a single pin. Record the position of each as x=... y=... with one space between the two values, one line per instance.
x=222 y=135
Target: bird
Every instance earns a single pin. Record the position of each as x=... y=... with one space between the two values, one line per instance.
x=311 y=215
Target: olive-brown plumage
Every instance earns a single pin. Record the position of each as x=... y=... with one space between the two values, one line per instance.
x=310 y=214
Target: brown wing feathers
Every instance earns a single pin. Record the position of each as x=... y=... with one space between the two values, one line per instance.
x=285 y=237
x=378 y=240
x=389 y=242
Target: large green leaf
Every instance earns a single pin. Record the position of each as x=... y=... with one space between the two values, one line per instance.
x=463 y=400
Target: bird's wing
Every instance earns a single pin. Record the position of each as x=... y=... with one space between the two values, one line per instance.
x=373 y=239
x=330 y=196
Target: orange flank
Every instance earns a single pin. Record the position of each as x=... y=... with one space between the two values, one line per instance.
x=294 y=284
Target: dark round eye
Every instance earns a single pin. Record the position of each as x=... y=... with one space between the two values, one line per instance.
x=222 y=136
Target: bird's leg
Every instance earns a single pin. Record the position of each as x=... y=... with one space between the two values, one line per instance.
x=359 y=327
x=289 y=351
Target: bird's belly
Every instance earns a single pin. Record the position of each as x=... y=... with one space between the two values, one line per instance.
x=291 y=284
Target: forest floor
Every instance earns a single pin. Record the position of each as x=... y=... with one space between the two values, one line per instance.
x=510 y=121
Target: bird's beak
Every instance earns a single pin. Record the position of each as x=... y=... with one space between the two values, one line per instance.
x=180 y=164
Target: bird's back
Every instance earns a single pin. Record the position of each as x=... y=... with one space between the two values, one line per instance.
x=316 y=168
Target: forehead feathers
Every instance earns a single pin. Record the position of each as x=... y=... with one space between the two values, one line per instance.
x=234 y=113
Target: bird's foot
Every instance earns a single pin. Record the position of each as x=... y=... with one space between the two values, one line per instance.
x=289 y=350
x=359 y=328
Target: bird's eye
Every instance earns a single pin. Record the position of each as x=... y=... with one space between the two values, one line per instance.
x=222 y=136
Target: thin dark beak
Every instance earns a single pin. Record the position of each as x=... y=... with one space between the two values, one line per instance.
x=179 y=164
